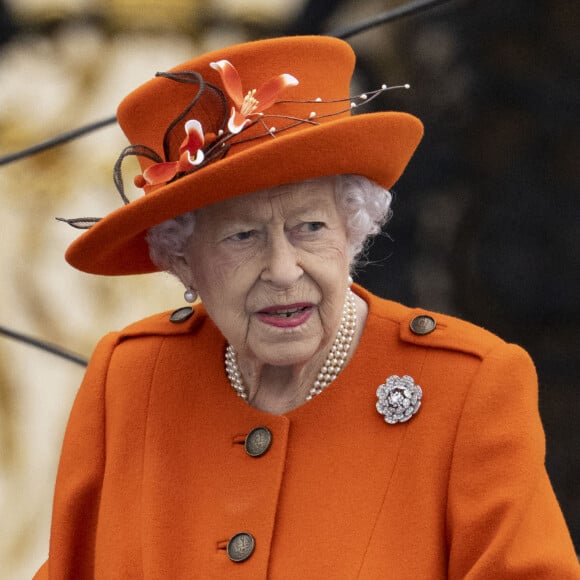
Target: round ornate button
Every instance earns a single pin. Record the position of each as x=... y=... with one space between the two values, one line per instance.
x=181 y=314
x=422 y=325
x=258 y=441
x=241 y=547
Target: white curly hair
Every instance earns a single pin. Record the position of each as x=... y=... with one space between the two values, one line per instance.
x=365 y=205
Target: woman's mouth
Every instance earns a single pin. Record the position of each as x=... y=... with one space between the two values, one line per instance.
x=288 y=312
x=286 y=316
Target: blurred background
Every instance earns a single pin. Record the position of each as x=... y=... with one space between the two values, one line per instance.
x=485 y=224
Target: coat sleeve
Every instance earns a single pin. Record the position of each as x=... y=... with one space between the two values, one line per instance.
x=80 y=475
x=503 y=518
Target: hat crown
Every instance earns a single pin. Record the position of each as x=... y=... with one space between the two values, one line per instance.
x=322 y=67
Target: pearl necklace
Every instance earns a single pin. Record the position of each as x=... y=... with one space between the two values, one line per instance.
x=332 y=365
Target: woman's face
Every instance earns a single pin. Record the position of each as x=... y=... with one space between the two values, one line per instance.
x=271 y=268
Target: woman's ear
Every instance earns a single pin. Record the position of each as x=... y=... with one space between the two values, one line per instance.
x=183 y=269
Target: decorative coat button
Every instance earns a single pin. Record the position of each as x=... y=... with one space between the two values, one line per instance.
x=181 y=314
x=422 y=325
x=241 y=547
x=258 y=441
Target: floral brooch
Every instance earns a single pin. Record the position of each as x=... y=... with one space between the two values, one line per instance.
x=399 y=398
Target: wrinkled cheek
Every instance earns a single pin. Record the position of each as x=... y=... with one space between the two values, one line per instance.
x=238 y=330
x=330 y=314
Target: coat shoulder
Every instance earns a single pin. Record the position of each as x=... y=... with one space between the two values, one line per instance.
x=424 y=327
x=183 y=320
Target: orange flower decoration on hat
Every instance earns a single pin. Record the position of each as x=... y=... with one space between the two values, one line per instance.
x=191 y=154
x=256 y=100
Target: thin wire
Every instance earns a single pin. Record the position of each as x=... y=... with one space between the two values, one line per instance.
x=43 y=345
x=409 y=9
x=58 y=140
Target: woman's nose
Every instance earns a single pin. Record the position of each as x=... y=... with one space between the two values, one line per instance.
x=281 y=268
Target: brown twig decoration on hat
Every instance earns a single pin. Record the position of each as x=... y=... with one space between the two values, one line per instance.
x=199 y=148
x=165 y=170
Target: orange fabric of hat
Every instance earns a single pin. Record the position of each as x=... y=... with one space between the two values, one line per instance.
x=184 y=119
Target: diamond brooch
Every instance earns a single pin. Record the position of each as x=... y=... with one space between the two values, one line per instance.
x=399 y=398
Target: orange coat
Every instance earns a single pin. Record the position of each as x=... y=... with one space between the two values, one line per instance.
x=154 y=478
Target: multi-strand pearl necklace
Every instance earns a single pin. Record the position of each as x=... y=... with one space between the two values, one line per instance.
x=332 y=365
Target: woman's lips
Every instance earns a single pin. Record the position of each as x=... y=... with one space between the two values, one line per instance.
x=288 y=316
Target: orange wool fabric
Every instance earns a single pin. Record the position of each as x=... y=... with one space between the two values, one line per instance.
x=376 y=145
x=154 y=478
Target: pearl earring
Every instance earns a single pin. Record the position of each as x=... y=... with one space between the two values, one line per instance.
x=190 y=295
x=350 y=281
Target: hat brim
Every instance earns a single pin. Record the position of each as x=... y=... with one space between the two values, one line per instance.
x=375 y=145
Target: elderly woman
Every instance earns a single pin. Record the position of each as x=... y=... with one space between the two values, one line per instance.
x=290 y=424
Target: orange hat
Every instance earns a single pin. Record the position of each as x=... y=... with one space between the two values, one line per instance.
x=238 y=120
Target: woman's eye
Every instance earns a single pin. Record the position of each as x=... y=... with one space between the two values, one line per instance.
x=313 y=226
x=242 y=236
